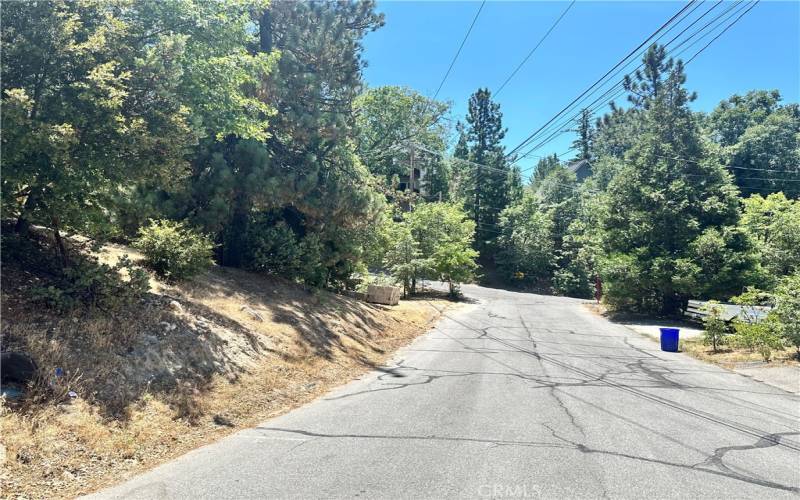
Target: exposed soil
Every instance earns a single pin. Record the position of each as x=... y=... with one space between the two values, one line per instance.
x=187 y=365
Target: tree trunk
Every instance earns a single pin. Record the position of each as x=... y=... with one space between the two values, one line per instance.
x=23 y=224
x=60 y=248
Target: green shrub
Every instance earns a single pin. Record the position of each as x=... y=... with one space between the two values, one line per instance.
x=313 y=271
x=86 y=282
x=273 y=249
x=761 y=337
x=752 y=332
x=455 y=264
x=715 y=327
x=173 y=250
x=787 y=309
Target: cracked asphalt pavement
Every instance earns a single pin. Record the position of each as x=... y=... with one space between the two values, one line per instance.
x=512 y=396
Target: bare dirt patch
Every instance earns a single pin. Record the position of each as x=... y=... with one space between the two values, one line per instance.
x=187 y=365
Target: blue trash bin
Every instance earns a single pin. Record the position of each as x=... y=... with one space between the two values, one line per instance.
x=669 y=339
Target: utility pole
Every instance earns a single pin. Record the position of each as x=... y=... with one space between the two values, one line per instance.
x=411 y=173
x=477 y=197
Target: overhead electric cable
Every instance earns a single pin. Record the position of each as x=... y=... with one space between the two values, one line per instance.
x=541 y=40
x=458 y=52
x=556 y=131
x=621 y=62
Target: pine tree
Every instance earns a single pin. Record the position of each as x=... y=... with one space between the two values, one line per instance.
x=307 y=170
x=669 y=205
x=487 y=192
x=585 y=131
x=514 y=186
x=543 y=169
x=462 y=146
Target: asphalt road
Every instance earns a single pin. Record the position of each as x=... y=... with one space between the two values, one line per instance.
x=513 y=396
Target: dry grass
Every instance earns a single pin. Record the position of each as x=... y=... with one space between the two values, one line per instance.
x=160 y=380
x=729 y=357
x=726 y=356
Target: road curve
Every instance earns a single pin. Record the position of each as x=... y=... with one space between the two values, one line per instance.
x=512 y=396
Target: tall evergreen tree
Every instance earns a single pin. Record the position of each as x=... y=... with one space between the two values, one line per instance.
x=543 y=168
x=514 y=186
x=436 y=183
x=307 y=171
x=669 y=204
x=460 y=170
x=487 y=193
x=583 y=144
x=462 y=146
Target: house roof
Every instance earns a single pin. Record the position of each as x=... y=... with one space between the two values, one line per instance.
x=577 y=165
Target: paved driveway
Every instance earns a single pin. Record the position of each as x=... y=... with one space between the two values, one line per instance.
x=513 y=396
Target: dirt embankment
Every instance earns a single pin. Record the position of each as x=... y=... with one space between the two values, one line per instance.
x=185 y=366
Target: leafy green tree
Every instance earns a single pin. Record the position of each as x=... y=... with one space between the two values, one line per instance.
x=403 y=257
x=714 y=327
x=454 y=263
x=526 y=251
x=733 y=116
x=434 y=224
x=756 y=334
x=390 y=120
x=767 y=156
x=760 y=139
x=445 y=235
x=787 y=309
x=434 y=241
x=100 y=95
x=773 y=222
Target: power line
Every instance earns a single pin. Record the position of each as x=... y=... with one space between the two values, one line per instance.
x=621 y=91
x=722 y=32
x=446 y=74
x=607 y=97
x=623 y=60
x=458 y=52
x=552 y=27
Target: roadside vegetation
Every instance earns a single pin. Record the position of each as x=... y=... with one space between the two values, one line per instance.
x=122 y=386
x=245 y=189
x=235 y=149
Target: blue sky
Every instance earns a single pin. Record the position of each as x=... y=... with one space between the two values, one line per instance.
x=419 y=39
